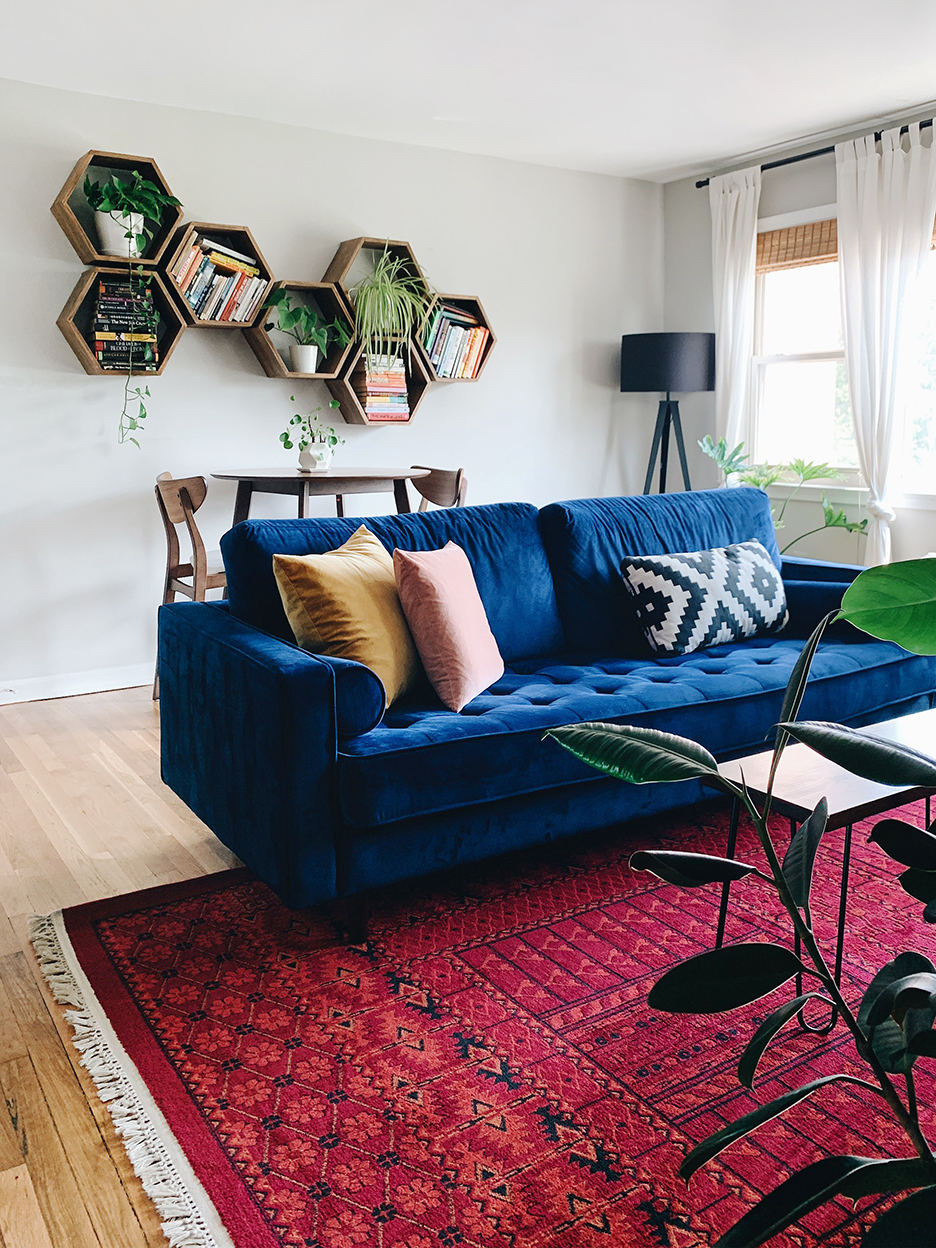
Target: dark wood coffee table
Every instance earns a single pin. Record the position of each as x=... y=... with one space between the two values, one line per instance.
x=805 y=777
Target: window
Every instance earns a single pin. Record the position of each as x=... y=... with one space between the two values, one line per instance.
x=799 y=384
x=918 y=457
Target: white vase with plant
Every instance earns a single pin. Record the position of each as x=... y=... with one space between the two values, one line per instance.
x=311 y=335
x=121 y=210
x=316 y=442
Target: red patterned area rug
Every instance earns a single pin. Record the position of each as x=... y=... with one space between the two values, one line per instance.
x=484 y=1072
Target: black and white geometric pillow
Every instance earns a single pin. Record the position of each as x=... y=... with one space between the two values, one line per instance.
x=705 y=598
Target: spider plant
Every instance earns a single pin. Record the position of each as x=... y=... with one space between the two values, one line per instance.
x=390 y=305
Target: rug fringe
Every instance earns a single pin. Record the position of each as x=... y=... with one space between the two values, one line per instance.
x=182 y=1222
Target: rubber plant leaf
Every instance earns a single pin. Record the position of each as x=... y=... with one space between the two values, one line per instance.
x=896 y=602
x=722 y=979
x=743 y=1126
x=813 y=1186
x=689 y=870
x=919 y=884
x=801 y=855
x=872 y=758
x=889 y=1042
x=757 y=1045
x=639 y=755
x=906 y=844
x=906 y=1224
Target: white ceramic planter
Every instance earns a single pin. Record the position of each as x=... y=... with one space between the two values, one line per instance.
x=111 y=228
x=316 y=457
x=303 y=359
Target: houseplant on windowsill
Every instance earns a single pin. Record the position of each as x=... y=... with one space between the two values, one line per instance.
x=316 y=442
x=312 y=335
x=126 y=213
x=893 y=1025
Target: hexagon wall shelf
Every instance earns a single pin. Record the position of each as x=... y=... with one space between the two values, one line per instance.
x=348 y=388
x=471 y=305
x=236 y=238
x=348 y=256
x=73 y=213
x=76 y=322
x=270 y=346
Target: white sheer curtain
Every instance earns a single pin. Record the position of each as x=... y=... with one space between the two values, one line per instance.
x=734 y=198
x=886 y=205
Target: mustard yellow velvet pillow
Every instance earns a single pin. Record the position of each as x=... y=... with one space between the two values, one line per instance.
x=345 y=603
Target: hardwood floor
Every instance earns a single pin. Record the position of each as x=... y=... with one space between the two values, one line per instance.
x=83 y=815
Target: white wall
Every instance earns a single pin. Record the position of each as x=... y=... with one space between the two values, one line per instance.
x=564 y=263
x=688 y=305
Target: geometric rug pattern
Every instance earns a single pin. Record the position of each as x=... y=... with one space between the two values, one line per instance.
x=485 y=1071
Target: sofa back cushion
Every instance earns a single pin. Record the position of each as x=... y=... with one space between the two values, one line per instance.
x=587 y=539
x=502 y=542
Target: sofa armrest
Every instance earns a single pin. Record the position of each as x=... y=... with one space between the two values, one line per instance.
x=809 y=601
x=797 y=569
x=249 y=742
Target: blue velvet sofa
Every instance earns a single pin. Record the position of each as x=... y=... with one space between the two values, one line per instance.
x=290 y=760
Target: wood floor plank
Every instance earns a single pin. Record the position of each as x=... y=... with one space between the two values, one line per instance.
x=21 y=1221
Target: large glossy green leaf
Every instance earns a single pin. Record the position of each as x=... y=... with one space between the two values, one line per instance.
x=723 y=979
x=813 y=1186
x=896 y=602
x=889 y=1041
x=907 y=991
x=919 y=884
x=639 y=755
x=873 y=758
x=908 y=1224
x=743 y=1126
x=906 y=844
x=689 y=870
x=796 y=685
x=758 y=1043
x=800 y=857
x=923 y=1044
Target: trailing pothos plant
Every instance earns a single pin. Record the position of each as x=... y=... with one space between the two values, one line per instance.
x=304 y=324
x=893 y=1024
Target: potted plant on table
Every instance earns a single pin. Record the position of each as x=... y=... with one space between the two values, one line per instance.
x=303 y=323
x=126 y=213
x=892 y=1027
x=316 y=442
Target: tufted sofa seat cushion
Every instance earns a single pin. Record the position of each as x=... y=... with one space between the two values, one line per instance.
x=423 y=758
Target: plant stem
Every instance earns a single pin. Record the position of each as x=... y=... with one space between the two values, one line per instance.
x=906 y=1119
x=810 y=532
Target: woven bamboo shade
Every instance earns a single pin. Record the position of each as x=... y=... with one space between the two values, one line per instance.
x=797 y=245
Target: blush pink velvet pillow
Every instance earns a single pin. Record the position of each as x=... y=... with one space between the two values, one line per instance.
x=447 y=619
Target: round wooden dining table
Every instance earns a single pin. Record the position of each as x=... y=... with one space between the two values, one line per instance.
x=308 y=485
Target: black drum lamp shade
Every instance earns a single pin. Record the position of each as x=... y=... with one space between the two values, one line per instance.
x=682 y=363
x=664 y=363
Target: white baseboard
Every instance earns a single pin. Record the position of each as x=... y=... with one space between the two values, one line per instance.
x=36 y=688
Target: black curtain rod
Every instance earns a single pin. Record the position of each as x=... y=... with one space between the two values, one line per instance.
x=820 y=151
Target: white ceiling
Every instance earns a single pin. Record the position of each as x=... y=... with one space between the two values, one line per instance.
x=644 y=88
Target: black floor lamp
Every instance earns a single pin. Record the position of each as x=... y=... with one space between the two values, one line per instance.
x=667 y=362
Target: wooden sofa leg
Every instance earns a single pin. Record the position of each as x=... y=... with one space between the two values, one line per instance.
x=357 y=914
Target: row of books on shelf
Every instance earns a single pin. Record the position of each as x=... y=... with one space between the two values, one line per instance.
x=219 y=283
x=455 y=342
x=124 y=326
x=381 y=389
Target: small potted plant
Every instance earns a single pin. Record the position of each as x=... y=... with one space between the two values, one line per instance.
x=390 y=304
x=311 y=333
x=122 y=210
x=316 y=442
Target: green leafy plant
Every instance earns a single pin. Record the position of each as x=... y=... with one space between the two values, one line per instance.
x=734 y=463
x=138 y=195
x=133 y=410
x=304 y=324
x=893 y=1025
x=305 y=428
x=390 y=305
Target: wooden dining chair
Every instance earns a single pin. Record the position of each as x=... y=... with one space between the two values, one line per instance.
x=178 y=500
x=446 y=487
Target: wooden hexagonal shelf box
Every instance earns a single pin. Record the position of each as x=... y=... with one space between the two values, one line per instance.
x=76 y=217
x=80 y=324
x=217 y=275
x=364 y=400
x=457 y=339
x=274 y=348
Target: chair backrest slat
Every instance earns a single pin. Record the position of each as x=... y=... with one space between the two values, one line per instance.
x=445 y=487
x=168 y=490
